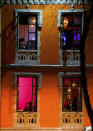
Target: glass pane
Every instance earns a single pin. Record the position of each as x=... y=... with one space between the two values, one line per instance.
x=67 y=102
x=32 y=36
x=68 y=21
x=76 y=36
x=32 y=28
x=74 y=99
x=77 y=20
x=76 y=41
x=32 y=20
x=23 y=36
x=67 y=99
x=31 y=45
x=75 y=82
x=67 y=82
x=67 y=39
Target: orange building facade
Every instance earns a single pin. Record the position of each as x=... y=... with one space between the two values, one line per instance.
x=40 y=76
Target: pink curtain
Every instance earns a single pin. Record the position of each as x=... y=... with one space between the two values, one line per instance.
x=25 y=92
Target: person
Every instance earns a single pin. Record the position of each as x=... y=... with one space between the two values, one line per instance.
x=28 y=106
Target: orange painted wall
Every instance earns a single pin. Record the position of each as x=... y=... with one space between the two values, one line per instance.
x=49 y=94
x=49 y=33
x=49 y=101
x=7 y=100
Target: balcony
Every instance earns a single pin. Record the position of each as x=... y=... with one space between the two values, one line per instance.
x=72 y=120
x=71 y=57
x=26 y=119
x=29 y=57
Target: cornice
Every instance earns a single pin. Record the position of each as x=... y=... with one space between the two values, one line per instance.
x=42 y=2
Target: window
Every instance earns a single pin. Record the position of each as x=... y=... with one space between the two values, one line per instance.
x=28 y=25
x=71 y=31
x=27 y=31
x=72 y=94
x=70 y=24
x=27 y=94
x=26 y=111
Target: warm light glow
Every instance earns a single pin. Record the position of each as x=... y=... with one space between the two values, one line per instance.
x=74 y=84
x=69 y=89
x=31 y=26
x=65 y=22
x=34 y=20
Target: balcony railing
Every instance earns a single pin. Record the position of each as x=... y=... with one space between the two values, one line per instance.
x=26 y=119
x=27 y=57
x=72 y=119
x=71 y=57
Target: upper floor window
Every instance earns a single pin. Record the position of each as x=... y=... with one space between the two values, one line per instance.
x=28 y=25
x=27 y=31
x=71 y=31
x=70 y=23
x=72 y=94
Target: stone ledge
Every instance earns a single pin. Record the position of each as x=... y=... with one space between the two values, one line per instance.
x=39 y=129
x=43 y=2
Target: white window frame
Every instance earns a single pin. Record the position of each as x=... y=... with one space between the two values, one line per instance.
x=39 y=25
x=60 y=12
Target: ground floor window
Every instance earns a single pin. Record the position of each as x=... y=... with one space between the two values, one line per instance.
x=27 y=94
x=72 y=94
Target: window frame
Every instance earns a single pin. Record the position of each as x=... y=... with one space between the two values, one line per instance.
x=26 y=74
x=31 y=94
x=61 y=75
x=28 y=15
x=63 y=29
x=70 y=11
x=79 y=94
x=38 y=13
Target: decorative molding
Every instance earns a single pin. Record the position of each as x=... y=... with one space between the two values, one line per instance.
x=43 y=2
x=41 y=129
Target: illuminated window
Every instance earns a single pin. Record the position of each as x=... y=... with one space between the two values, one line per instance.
x=27 y=94
x=27 y=31
x=72 y=94
x=71 y=30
